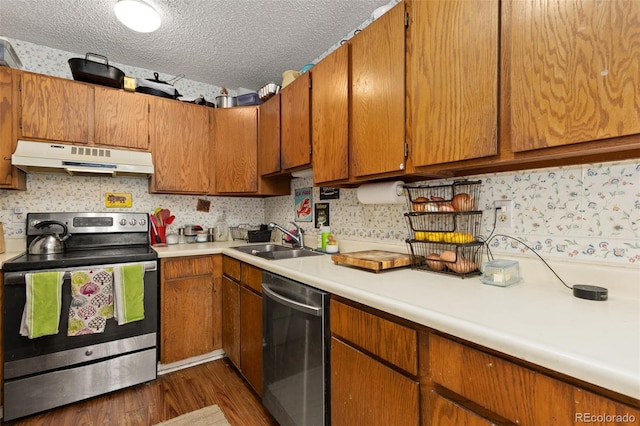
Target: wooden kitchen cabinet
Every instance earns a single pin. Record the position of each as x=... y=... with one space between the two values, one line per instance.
x=235 y=161
x=180 y=141
x=10 y=176
x=511 y=391
x=121 y=119
x=295 y=122
x=231 y=319
x=377 y=138
x=330 y=112
x=574 y=72
x=242 y=319
x=269 y=136
x=452 y=80
x=190 y=319
x=365 y=389
x=55 y=109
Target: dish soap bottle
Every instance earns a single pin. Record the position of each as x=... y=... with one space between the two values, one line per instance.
x=222 y=228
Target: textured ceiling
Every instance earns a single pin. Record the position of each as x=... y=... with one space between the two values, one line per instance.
x=232 y=43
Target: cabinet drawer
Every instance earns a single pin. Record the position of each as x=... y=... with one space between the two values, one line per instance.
x=514 y=392
x=390 y=341
x=251 y=277
x=186 y=267
x=231 y=267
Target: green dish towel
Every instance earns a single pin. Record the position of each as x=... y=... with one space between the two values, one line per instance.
x=128 y=288
x=41 y=314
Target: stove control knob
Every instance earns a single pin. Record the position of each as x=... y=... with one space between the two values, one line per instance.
x=88 y=352
x=123 y=222
x=143 y=222
x=133 y=222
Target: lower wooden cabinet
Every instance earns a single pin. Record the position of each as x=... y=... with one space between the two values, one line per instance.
x=443 y=411
x=365 y=391
x=242 y=319
x=510 y=391
x=190 y=316
x=373 y=369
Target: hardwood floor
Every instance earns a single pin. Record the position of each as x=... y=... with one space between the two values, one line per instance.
x=171 y=395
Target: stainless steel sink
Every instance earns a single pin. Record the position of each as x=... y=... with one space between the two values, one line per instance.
x=275 y=252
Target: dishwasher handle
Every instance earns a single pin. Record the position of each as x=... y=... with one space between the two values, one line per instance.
x=312 y=310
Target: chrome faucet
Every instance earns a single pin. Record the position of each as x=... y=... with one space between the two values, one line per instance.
x=299 y=238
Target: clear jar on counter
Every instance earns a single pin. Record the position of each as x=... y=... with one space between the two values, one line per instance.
x=222 y=228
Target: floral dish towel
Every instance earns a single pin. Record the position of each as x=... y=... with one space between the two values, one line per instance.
x=92 y=301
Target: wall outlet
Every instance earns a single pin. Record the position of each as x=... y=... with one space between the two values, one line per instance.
x=504 y=210
x=353 y=214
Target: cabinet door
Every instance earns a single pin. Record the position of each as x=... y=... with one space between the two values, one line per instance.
x=121 y=119
x=236 y=149
x=366 y=392
x=444 y=412
x=452 y=80
x=231 y=319
x=378 y=96
x=575 y=71
x=187 y=315
x=180 y=140
x=295 y=119
x=251 y=338
x=330 y=113
x=56 y=109
x=269 y=136
x=10 y=177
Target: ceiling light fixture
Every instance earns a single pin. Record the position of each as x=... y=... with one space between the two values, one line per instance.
x=137 y=15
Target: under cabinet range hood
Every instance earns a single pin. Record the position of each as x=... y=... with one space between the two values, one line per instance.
x=80 y=160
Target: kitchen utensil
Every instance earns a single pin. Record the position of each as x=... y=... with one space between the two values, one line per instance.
x=84 y=69
x=155 y=86
x=249 y=99
x=164 y=215
x=226 y=101
x=288 y=76
x=373 y=260
x=49 y=242
x=152 y=219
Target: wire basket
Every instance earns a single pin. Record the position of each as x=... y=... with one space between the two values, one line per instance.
x=458 y=196
x=461 y=260
x=458 y=228
x=241 y=232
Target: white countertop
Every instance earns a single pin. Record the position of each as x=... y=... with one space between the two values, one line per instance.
x=537 y=320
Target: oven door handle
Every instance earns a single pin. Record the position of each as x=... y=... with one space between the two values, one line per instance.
x=18 y=278
x=312 y=310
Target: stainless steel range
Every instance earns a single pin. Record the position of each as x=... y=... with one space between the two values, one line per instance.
x=59 y=368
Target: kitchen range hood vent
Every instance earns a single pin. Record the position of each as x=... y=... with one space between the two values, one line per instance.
x=80 y=160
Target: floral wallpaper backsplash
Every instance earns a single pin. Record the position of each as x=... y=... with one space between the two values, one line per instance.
x=587 y=213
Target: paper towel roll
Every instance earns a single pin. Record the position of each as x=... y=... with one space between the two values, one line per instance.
x=382 y=193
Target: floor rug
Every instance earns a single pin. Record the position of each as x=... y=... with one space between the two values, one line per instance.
x=207 y=416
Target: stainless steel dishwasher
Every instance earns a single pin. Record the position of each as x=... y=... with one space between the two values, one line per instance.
x=295 y=351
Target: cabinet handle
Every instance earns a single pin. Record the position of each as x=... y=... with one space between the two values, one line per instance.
x=490 y=365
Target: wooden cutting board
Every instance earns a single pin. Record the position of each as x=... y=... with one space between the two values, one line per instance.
x=373 y=260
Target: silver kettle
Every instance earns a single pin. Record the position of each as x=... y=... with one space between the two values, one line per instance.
x=49 y=242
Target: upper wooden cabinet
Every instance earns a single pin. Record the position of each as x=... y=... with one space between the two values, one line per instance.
x=377 y=139
x=295 y=123
x=235 y=133
x=452 y=80
x=10 y=177
x=269 y=136
x=55 y=109
x=180 y=141
x=121 y=119
x=575 y=71
x=330 y=112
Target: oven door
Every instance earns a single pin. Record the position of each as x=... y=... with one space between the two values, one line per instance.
x=19 y=349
